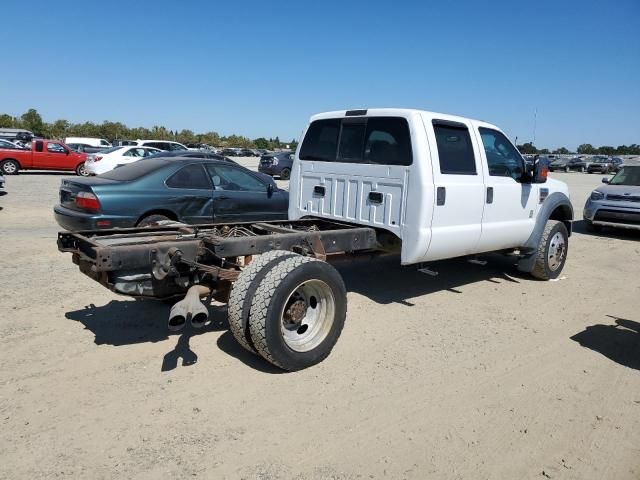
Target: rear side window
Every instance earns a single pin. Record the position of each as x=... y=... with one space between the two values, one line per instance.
x=192 y=176
x=454 y=149
x=372 y=140
x=39 y=146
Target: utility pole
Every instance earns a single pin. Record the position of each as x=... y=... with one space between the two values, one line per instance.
x=535 y=119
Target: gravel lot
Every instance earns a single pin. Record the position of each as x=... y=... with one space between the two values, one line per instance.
x=480 y=372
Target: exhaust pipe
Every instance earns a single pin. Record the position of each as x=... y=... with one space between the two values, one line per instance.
x=190 y=307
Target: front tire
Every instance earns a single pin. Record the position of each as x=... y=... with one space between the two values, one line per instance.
x=298 y=313
x=285 y=174
x=552 y=251
x=10 y=167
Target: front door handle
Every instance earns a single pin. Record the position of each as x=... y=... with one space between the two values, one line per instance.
x=221 y=198
x=441 y=196
x=489 y=194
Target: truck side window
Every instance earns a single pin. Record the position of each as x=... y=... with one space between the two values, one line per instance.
x=502 y=157
x=55 y=148
x=454 y=149
x=39 y=146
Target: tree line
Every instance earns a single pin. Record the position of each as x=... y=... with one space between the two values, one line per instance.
x=31 y=120
x=584 y=149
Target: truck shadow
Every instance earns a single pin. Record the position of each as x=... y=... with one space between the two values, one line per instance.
x=619 y=342
x=384 y=281
x=126 y=322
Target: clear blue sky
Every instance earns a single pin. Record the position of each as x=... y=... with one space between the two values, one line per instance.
x=262 y=68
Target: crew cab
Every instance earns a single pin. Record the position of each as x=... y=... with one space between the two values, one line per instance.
x=43 y=155
x=421 y=185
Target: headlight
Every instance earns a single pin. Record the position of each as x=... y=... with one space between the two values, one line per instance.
x=596 y=195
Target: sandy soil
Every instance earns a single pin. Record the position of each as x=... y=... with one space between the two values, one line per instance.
x=480 y=372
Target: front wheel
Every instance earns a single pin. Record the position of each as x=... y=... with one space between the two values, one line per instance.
x=298 y=312
x=285 y=174
x=10 y=167
x=552 y=251
x=81 y=170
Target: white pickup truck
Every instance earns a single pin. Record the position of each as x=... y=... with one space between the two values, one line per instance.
x=424 y=185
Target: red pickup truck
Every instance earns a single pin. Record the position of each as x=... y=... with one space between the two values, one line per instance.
x=44 y=155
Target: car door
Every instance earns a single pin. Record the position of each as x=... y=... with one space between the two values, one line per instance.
x=56 y=157
x=456 y=224
x=240 y=196
x=510 y=205
x=189 y=195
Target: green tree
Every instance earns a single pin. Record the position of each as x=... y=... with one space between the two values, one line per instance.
x=527 y=148
x=586 y=149
x=59 y=128
x=606 y=150
x=32 y=120
x=6 y=121
x=561 y=150
x=261 y=143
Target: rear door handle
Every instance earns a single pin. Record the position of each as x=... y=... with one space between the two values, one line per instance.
x=441 y=196
x=489 y=194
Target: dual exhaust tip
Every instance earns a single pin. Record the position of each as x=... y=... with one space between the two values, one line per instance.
x=190 y=308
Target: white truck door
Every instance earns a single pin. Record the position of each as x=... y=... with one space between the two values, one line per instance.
x=510 y=206
x=459 y=189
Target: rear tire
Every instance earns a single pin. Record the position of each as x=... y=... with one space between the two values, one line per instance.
x=285 y=174
x=552 y=251
x=298 y=313
x=151 y=220
x=243 y=291
x=81 y=170
x=10 y=167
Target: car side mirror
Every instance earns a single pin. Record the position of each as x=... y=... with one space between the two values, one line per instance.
x=540 y=170
x=606 y=180
x=67 y=151
x=270 y=189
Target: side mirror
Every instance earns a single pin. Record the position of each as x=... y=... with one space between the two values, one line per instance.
x=270 y=189
x=606 y=180
x=67 y=151
x=538 y=171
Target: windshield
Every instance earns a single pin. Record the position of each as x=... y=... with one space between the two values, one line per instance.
x=629 y=176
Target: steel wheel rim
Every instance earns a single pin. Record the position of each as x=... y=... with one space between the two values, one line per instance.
x=557 y=250
x=9 y=168
x=307 y=316
x=83 y=171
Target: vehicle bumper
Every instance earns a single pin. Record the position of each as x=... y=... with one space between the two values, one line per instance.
x=608 y=214
x=95 y=168
x=269 y=169
x=74 y=220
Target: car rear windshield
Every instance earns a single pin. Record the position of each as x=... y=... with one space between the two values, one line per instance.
x=368 y=140
x=133 y=171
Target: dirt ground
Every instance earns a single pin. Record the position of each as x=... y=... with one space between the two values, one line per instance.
x=480 y=372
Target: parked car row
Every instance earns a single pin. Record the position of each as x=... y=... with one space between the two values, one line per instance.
x=586 y=164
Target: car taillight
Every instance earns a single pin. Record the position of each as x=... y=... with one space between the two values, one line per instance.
x=87 y=201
